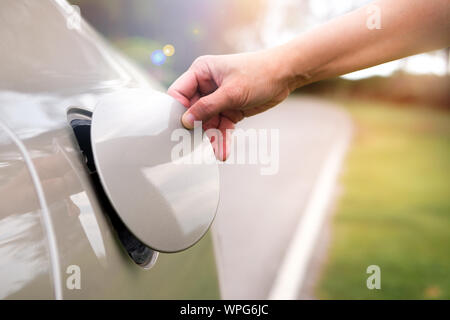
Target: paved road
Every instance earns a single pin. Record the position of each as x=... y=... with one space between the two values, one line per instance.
x=259 y=214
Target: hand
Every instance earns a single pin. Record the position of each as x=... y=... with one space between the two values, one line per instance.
x=222 y=90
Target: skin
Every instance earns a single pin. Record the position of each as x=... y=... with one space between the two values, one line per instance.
x=222 y=90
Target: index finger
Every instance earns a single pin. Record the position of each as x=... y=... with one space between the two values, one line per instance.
x=184 y=88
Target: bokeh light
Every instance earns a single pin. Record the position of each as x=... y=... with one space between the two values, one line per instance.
x=158 y=57
x=168 y=50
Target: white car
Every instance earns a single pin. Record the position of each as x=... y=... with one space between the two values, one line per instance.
x=89 y=194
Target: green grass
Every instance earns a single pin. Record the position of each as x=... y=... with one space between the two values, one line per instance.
x=395 y=208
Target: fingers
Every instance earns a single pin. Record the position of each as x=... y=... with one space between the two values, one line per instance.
x=206 y=108
x=226 y=127
x=212 y=123
x=234 y=115
x=184 y=88
x=197 y=81
x=221 y=137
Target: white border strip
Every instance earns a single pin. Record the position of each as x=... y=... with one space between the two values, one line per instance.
x=291 y=274
x=45 y=214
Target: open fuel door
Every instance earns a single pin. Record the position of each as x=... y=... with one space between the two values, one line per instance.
x=161 y=180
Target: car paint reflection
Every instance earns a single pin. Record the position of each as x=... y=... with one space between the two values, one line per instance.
x=24 y=261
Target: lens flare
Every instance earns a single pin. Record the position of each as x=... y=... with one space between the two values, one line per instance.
x=158 y=57
x=169 y=50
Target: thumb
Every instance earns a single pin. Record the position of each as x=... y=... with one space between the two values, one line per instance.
x=207 y=107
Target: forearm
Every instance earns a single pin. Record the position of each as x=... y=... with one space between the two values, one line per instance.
x=222 y=90
x=347 y=44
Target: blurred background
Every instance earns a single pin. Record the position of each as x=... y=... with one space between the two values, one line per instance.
x=198 y=27
x=394 y=209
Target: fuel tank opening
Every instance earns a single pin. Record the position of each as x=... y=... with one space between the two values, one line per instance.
x=80 y=121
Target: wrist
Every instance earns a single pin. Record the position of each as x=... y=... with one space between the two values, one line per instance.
x=290 y=68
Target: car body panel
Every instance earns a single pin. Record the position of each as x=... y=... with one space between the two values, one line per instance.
x=46 y=69
x=22 y=239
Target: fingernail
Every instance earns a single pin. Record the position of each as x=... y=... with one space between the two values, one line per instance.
x=188 y=120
